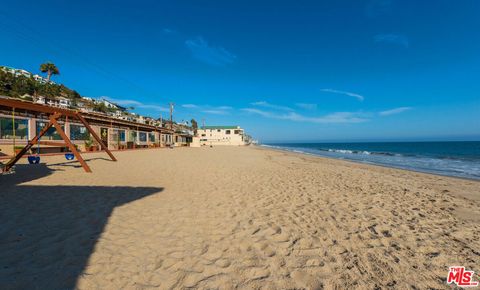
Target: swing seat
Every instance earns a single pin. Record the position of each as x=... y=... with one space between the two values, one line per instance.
x=69 y=156
x=33 y=159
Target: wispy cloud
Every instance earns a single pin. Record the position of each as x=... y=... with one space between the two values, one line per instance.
x=337 y=117
x=216 y=110
x=350 y=94
x=306 y=106
x=202 y=51
x=394 y=111
x=224 y=108
x=189 y=106
x=396 y=39
x=154 y=107
x=271 y=106
x=138 y=105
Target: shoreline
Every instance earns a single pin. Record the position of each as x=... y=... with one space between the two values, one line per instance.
x=279 y=148
x=380 y=167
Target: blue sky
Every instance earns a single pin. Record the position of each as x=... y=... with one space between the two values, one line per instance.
x=284 y=70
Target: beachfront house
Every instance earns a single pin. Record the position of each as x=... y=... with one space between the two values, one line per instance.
x=41 y=79
x=17 y=72
x=21 y=72
x=84 y=105
x=140 y=119
x=88 y=99
x=60 y=102
x=117 y=134
x=183 y=135
x=108 y=104
x=39 y=100
x=114 y=110
x=221 y=135
x=64 y=102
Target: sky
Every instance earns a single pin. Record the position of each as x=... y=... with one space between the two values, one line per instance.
x=286 y=71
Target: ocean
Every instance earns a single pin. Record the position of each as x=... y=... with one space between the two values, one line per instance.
x=459 y=159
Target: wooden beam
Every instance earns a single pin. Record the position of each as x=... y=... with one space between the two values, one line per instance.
x=89 y=116
x=52 y=143
x=70 y=145
x=85 y=123
x=29 y=145
x=18 y=104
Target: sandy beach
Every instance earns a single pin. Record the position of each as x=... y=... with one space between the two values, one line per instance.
x=232 y=218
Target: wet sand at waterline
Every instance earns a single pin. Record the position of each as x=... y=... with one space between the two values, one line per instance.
x=232 y=217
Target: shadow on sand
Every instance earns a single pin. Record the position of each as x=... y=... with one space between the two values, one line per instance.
x=47 y=233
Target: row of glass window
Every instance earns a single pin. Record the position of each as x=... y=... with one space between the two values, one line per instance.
x=227 y=131
x=10 y=129
x=18 y=129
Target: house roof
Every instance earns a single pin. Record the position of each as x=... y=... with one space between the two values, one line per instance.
x=220 y=127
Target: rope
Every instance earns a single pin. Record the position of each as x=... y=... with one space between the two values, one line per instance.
x=14 y=133
x=38 y=133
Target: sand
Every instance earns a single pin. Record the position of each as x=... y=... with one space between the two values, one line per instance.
x=232 y=217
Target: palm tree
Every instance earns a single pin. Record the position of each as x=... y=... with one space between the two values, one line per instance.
x=50 y=69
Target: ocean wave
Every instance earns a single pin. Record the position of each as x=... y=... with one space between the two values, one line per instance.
x=431 y=164
x=346 y=151
x=393 y=154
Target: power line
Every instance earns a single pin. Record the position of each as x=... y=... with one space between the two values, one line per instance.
x=29 y=34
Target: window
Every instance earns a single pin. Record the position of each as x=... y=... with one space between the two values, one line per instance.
x=227 y=132
x=51 y=134
x=132 y=136
x=142 y=136
x=218 y=130
x=6 y=128
x=236 y=132
x=203 y=135
x=117 y=135
x=78 y=132
x=151 y=137
x=121 y=135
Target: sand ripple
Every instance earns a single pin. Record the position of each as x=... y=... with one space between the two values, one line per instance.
x=244 y=218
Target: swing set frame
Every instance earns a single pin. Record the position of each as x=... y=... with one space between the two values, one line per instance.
x=54 y=115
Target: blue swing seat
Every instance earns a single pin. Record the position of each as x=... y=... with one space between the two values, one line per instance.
x=33 y=159
x=69 y=156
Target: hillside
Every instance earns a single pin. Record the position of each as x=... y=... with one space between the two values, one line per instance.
x=18 y=86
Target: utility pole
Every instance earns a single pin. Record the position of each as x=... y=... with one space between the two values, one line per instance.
x=203 y=121
x=171 y=115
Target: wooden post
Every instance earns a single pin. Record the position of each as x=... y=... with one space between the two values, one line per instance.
x=69 y=144
x=85 y=123
x=29 y=145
